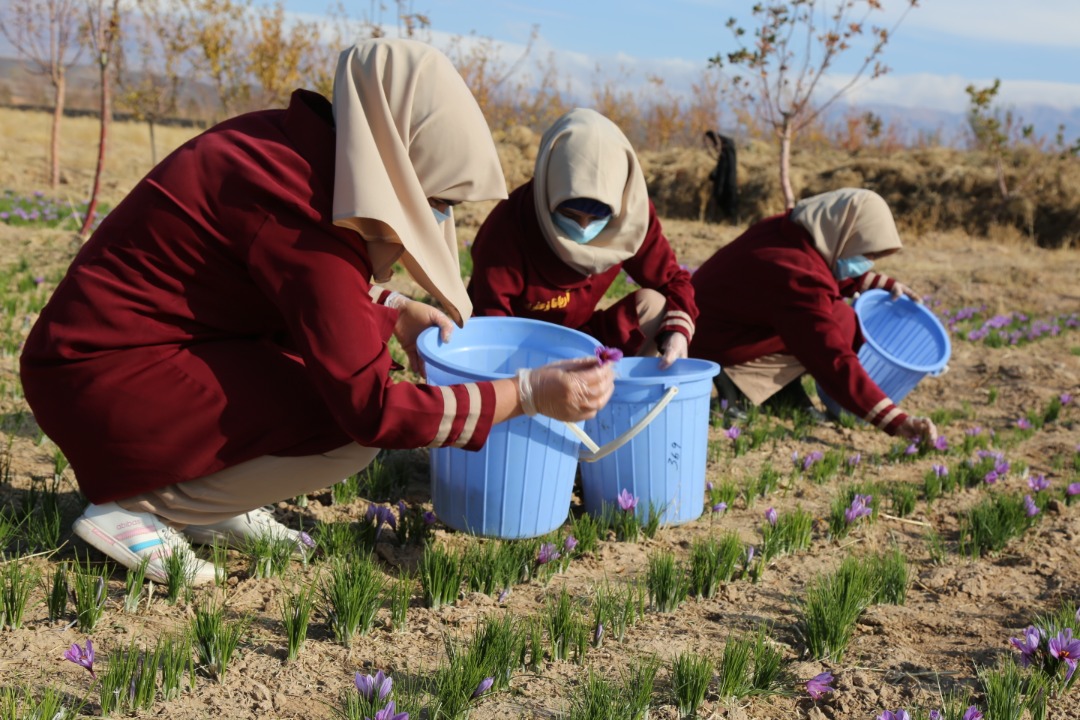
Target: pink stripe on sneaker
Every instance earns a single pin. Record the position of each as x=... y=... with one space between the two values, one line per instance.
x=142 y=530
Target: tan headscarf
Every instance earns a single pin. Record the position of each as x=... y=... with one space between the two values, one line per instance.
x=848 y=222
x=409 y=129
x=585 y=155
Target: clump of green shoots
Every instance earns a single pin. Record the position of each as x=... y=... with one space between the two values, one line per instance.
x=398 y=597
x=667 y=582
x=351 y=592
x=440 y=576
x=296 y=610
x=831 y=607
x=269 y=554
x=712 y=562
x=566 y=630
x=18 y=580
x=691 y=675
x=90 y=592
x=56 y=594
x=135 y=586
x=215 y=638
x=988 y=526
x=786 y=533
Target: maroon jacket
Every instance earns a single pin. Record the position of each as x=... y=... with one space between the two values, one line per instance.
x=217 y=315
x=769 y=291
x=516 y=273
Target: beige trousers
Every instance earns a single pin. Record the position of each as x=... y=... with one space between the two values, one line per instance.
x=249 y=485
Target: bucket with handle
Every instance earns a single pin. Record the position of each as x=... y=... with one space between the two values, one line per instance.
x=904 y=342
x=653 y=438
x=520 y=483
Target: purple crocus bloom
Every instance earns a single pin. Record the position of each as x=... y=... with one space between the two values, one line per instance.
x=934 y=715
x=1028 y=645
x=1030 y=507
x=709 y=486
x=991 y=477
x=1023 y=424
x=940 y=470
x=627 y=502
x=1038 y=483
x=305 y=540
x=429 y=518
x=818 y=686
x=750 y=554
x=504 y=594
x=1073 y=489
x=608 y=355
x=39 y=279
x=1067 y=649
x=569 y=544
x=942 y=443
x=390 y=713
x=1065 y=398
x=854 y=460
x=547 y=554
x=972 y=713
x=598 y=634
x=860 y=506
x=483 y=687
x=723 y=406
x=719 y=507
x=810 y=459
x=912 y=448
x=733 y=432
x=84 y=658
x=898 y=714
x=770 y=515
x=973 y=431
x=374 y=688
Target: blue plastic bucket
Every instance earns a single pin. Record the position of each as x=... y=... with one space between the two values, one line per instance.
x=519 y=484
x=663 y=463
x=905 y=342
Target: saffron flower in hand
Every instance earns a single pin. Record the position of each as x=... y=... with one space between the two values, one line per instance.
x=608 y=355
x=627 y=502
x=82 y=657
x=818 y=686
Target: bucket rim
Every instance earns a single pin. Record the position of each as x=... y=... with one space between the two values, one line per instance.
x=875 y=295
x=707 y=370
x=429 y=341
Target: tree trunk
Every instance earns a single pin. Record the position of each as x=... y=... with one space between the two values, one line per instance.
x=106 y=117
x=59 y=86
x=153 y=144
x=785 y=164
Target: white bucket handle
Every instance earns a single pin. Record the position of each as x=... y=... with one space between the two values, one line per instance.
x=596 y=452
x=938 y=373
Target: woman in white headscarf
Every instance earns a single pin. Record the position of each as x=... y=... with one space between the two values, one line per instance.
x=219 y=343
x=773 y=307
x=554 y=247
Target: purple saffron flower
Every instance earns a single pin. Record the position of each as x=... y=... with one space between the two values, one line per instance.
x=569 y=544
x=709 y=486
x=1028 y=645
x=1065 y=398
x=860 y=506
x=627 y=502
x=991 y=477
x=483 y=687
x=1078 y=614
x=503 y=595
x=84 y=658
x=429 y=518
x=770 y=515
x=750 y=555
x=39 y=279
x=374 y=688
x=898 y=714
x=812 y=458
x=719 y=507
x=390 y=713
x=940 y=470
x=304 y=540
x=934 y=715
x=733 y=432
x=598 y=634
x=1067 y=649
x=608 y=355
x=1038 y=483
x=942 y=443
x=1023 y=424
x=381 y=515
x=854 y=460
x=1030 y=507
x=972 y=713
x=912 y=448
x=547 y=554
x=818 y=686
x=1073 y=489
x=973 y=431
x=723 y=405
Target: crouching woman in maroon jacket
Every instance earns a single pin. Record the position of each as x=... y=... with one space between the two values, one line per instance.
x=773 y=306
x=553 y=249
x=220 y=343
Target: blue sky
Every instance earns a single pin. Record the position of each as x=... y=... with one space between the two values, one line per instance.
x=1033 y=46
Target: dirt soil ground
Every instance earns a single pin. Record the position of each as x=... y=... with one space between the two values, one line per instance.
x=959 y=613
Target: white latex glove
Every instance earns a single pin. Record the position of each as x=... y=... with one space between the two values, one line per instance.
x=570 y=390
x=900 y=288
x=673 y=347
x=413 y=318
x=918 y=428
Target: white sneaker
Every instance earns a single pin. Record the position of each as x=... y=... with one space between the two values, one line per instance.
x=130 y=537
x=237 y=532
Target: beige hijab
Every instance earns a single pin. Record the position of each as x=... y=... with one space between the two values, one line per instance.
x=847 y=222
x=409 y=129
x=586 y=155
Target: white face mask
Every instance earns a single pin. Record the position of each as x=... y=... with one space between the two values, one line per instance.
x=852 y=267
x=574 y=231
x=440 y=217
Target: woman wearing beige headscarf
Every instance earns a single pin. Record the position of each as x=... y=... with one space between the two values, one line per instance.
x=773 y=307
x=219 y=343
x=552 y=250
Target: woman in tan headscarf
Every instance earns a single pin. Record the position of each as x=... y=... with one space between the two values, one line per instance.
x=552 y=250
x=773 y=307
x=219 y=343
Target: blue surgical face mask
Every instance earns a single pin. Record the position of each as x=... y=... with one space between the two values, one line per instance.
x=440 y=217
x=852 y=267
x=580 y=235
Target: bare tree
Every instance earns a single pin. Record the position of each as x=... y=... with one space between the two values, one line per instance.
x=103 y=32
x=795 y=43
x=45 y=33
x=149 y=88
